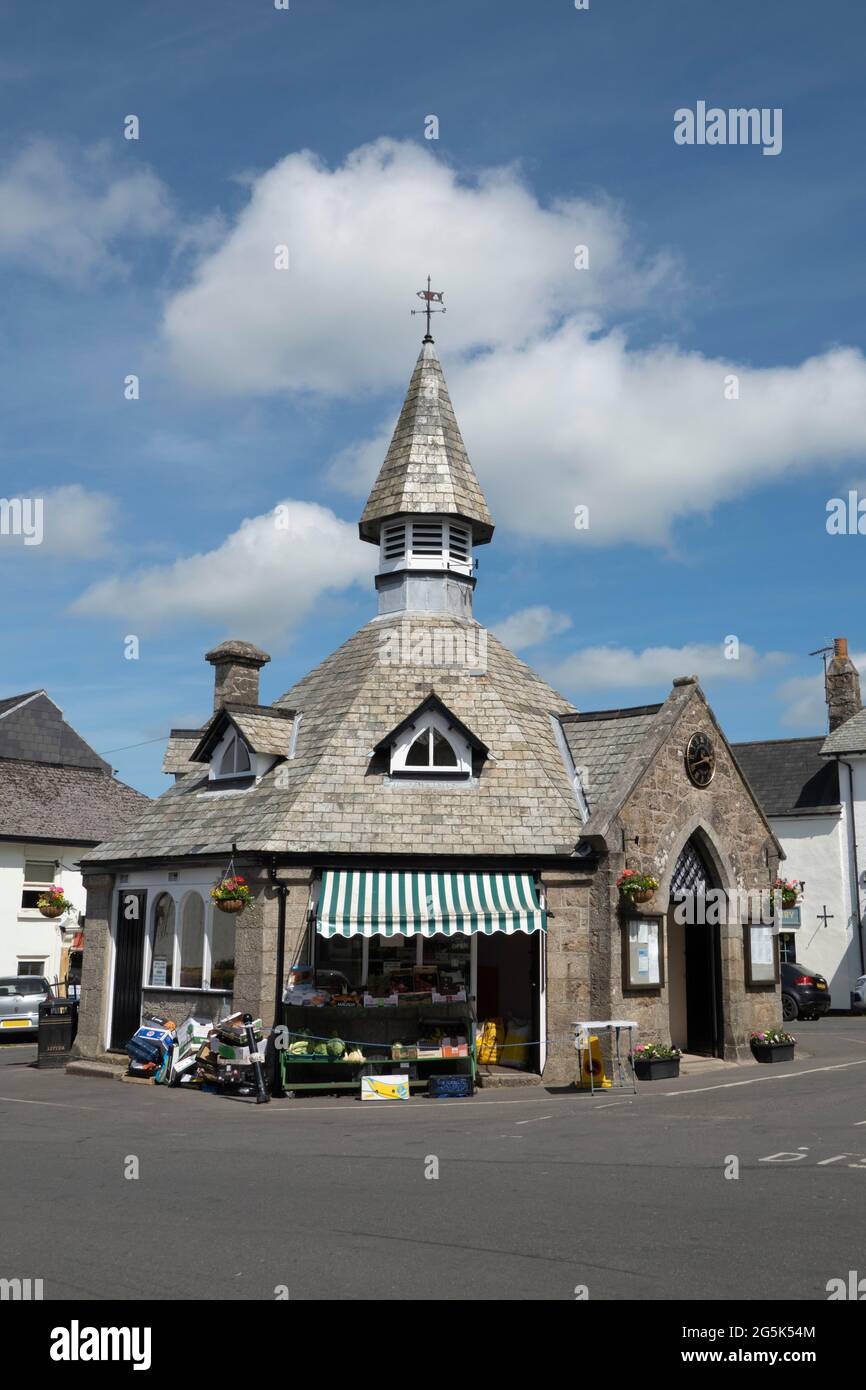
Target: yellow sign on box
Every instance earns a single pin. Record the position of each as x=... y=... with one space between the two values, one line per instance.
x=592 y=1074
x=384 y=1088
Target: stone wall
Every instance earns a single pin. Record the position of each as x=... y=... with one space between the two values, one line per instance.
x=659 y=816
x=568 y=967
x=95 y=979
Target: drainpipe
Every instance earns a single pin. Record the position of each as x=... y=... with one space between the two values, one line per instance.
x=856 y=894
x=282 y=889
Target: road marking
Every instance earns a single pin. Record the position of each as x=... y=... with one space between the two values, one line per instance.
x=55 y=1104
x=535 y=1121
x=755 y=1080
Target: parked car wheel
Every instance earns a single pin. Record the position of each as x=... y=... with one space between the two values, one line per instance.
x=790 y=1012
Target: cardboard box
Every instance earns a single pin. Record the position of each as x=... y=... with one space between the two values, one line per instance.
x=455 y=1047
x=191 y=1034
x=404 y=1052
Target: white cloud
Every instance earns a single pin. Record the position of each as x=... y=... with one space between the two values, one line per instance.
x=260 y=582
x=641 y=438
x=530 y=626
x=558 y=410
x=73 y=524
x=803 y=698
x=612 y=668
x=360 y=238
x=68 y=215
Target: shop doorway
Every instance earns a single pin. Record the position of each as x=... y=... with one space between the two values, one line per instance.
x=508 y=985
x=695 y=959
x=128 y=967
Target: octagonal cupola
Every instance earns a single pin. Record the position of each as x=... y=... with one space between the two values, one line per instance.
x=426 y=511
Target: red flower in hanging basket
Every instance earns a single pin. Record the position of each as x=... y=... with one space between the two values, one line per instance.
x=638 y=887
x=231 y=894
x=53 y=903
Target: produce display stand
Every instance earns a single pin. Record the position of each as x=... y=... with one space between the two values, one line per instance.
x=613 y=1028
x=374 y=1029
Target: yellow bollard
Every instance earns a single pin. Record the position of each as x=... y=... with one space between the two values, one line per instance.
x=592 y=1075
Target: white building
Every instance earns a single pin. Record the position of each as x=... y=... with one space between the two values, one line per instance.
x=58 y=798
x=813 y=792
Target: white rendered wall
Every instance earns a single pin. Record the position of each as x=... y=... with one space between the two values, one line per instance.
x=816 y=850
x=26 y=934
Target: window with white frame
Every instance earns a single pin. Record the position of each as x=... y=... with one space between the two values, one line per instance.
x=31 y=967
x=431 y=748
x=38 y=878
x=191 y=944
x=235 y=760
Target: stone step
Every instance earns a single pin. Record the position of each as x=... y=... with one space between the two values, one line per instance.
x=109 y=1071
x=506 y=1077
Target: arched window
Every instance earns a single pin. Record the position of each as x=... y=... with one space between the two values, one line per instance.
x=192 y=943
x=235 y=760
x=431 y=750
x=162 y=955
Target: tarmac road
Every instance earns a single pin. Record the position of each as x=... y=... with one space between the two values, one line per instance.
x=536 y=1195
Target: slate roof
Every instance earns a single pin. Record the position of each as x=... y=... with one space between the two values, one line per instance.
x=849 y=737
x=603 y=744
x=32 y=728
x=788 y=775
x=181 y=744
x=265 y=729
x=79 y=805
x=427 y=468
x=335 y=796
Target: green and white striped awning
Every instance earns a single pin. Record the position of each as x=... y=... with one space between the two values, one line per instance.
x=374 y=903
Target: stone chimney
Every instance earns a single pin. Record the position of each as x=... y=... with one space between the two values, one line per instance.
x=842 y=685
x=236 y=672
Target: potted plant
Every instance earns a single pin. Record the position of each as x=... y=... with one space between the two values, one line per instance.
x=231 y=894
x=772 y=1045
x=789 y=888
x=53 y=903
x=655 y=1061
x=637 y=888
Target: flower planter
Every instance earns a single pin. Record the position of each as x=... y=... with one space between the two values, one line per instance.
x=773 y=1052
x=657 y=1068
x=230 y=904
x=52 y=911
x=642 y=897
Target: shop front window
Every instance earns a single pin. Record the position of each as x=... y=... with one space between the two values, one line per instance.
x=344 y=954
x=222 y=972
x=192 y=943
x=450 y=957
x=391 y=960
x=162 y=955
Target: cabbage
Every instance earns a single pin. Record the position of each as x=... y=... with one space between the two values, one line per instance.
x=336 y=1048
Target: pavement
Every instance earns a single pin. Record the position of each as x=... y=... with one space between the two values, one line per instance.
x=733 y=1182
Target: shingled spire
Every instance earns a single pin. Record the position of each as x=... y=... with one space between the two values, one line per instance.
x=427 y=468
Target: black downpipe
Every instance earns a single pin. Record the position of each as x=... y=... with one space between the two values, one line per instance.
x=281 y=943
x=854 y=860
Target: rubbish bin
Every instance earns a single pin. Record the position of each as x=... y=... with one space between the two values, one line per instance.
x=58 y=1024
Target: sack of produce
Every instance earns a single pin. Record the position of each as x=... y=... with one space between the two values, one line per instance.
x=515 y=1050
x=492 y=1038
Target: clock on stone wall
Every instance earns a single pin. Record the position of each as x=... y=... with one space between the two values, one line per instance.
x=700 y=760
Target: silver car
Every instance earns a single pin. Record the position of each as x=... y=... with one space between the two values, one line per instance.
x=20 y=997
x=858 y=996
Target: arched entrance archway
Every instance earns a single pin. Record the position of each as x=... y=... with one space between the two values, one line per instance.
x=695 y=954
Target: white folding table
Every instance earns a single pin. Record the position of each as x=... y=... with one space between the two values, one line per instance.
x=614 y=1028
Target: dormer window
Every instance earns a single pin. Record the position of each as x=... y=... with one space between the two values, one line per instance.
x=235 y=761
x=430 y=751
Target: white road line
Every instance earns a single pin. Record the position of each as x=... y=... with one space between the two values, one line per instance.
x=755 y=1080
x=535 y=1121
x=55 y=1104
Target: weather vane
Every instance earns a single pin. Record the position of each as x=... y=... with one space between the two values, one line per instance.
x=430 y=297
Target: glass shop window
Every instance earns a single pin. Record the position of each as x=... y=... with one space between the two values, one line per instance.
x=222 y=972
x=390 y=957
x=344 y=954
x=192 y=943
x=450 y=957
x=162 y=955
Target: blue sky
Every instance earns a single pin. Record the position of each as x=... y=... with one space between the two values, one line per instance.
x=600 y=387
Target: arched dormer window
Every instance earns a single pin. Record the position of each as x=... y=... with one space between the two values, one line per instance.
x=430 y=746
x=235 y=761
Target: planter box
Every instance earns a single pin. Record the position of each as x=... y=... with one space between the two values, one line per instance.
x=773 y=1052
x=657 y=1068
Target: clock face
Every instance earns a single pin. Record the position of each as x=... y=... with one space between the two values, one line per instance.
x=700 y=760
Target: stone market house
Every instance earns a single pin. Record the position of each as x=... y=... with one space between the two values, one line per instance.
x=58 y=798
x=457 y=809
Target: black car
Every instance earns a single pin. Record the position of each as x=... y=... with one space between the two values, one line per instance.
x=804 y=993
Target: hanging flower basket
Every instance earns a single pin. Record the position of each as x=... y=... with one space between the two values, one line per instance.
x=789 y=888
x=53 y=903
x=772 y=1046
x=231 y=894
x=635 y=887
